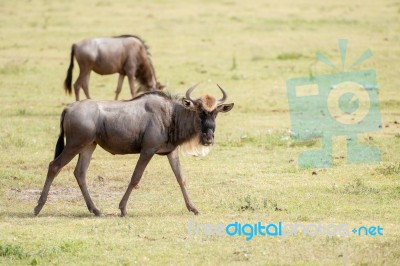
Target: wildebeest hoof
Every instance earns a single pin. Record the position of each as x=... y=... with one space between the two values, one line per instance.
x=37 y=210
x=97 y=213
x=124 y=213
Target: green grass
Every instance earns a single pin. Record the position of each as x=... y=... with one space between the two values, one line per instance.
x=250 y=48
x=390 y=169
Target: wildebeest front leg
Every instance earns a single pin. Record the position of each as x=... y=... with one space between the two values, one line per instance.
x=144 y=159
x=119 y=86
x=54 y=168
x=131 y=79
x=80 y=175
x=173 y=159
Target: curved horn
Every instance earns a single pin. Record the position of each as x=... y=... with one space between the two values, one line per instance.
x=224 y=96
x=189 y=91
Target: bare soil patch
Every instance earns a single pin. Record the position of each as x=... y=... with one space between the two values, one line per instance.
x=63 y=193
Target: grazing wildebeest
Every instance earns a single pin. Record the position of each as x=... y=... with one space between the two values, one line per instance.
x=125 y=54
x=151 y=123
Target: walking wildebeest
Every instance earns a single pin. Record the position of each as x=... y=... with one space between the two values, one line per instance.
x=125 y=54
x=151 y=123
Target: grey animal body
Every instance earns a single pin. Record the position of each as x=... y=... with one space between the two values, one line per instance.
x=152 y=123
x=126 y=54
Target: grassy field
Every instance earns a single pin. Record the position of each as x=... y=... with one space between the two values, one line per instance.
x=251 y=48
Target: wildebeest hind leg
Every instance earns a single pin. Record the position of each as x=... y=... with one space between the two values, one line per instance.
x=77 y=87
x=85 y=85
x=144 y=159
x=54 y=168
x=80 y=175
x=119 y=86
x=82 y=82
x=173 y=159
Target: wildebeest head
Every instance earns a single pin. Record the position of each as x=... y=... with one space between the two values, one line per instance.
x=207 y=108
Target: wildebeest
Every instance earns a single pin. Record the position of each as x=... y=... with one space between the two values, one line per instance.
x=151 y=123
x=126 y=54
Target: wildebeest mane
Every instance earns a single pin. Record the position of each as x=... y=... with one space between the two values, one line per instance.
x=143 y=73
x=134 y=36
x=182 y=130
x=163 y=94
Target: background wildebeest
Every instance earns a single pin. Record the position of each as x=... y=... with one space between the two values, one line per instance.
x=126 y=54
x=152 y=123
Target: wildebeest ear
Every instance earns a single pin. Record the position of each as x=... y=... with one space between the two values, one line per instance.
x=160 y=86
x=187 y=104
x=223 y=108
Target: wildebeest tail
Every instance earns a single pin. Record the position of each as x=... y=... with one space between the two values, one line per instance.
x=60 y=141
x=68 y=79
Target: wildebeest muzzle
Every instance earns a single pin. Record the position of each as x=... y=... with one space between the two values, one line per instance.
x=208 y=128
